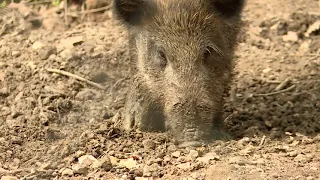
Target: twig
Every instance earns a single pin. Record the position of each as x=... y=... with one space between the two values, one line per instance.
x=65 y=73
x=37 y=2
x=277 y=92
x=283 y=84
x=262 y=140
x=72 y=13
x=96 y=10
x=314 y=57
x=65 y=13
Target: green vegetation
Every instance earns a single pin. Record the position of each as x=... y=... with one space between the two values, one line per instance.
x=3 y=4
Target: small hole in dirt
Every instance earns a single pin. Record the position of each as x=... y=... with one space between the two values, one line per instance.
x=100 y=78
x=46 y=123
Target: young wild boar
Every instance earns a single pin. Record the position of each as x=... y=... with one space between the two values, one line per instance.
x=183 y=55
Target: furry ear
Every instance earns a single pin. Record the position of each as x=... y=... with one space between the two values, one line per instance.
x=228 y=8
x=131 y=12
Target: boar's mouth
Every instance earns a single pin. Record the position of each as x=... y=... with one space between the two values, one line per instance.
x=196 y=129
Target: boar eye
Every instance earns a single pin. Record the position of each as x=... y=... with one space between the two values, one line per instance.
x=163 y=58
x=207 y=54
x=212 y=51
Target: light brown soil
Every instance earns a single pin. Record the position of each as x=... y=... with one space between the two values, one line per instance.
x=50 y=122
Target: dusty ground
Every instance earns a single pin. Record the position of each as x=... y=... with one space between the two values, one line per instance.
x=56 y=127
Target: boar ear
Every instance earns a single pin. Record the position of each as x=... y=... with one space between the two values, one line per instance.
x=131 y=12
x=228 y=8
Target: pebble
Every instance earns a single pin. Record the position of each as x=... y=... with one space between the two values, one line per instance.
x=104 y=163
x=15 y=53
x=293 y=153
x=149 y=144
x=149 y=170
x=66 y=54
x=266 y=70
x=114 y=161
x=8 y=178
x=4 y=92
x=37 y=45
x=185 y=166
x=290 y=36
x=67 y=172
x=207 y=158
x=141 y=178
x=244 y=141
x=301 y=158
x=46 y=51
x=237 y=160
x=176 y=154
x=193 y=154
x=84 y=163
x=128 y=163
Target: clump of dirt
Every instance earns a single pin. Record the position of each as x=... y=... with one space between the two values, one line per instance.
x=62 y=94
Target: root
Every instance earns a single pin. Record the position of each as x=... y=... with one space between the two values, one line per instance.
x=65 y=73
x=277 y=92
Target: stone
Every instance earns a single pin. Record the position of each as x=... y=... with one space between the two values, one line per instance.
x=37 y=45
x=176 y=154
x=149 y=144
x=67 y=172
x=9 y=178
x=128 y=163
x=290 y=36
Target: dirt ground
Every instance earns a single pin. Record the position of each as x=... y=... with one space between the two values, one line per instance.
x=54 y=125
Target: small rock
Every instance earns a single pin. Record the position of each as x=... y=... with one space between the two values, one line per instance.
x=290 y=36
x=128 y=163
x=310 y=178
x=314 y=168
x=293 y=153
x=79 y=153
x=77 y=168
x=149 y=144
x=70 y=42
x=193 y=154
x=8 y=178
x=104 y=163
x=67 y=172
x=66 y=54
x=15 y=53
x=247 y=150
x=266 y=70
x=176 y=154
x=237 y=160
x=244 y=141
x=84 y=163
x=183 y=159
x=114 y=161
x=317 y=138
x=149 y=170
x=305 y=47
x=37 y=45
x=46 y=51
x=4 y=92
x=301 y=158
x=207 y=158
x=87 y=160
x=185 y=166
x=45 y=166
x=141 y=178
x=313 y=28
